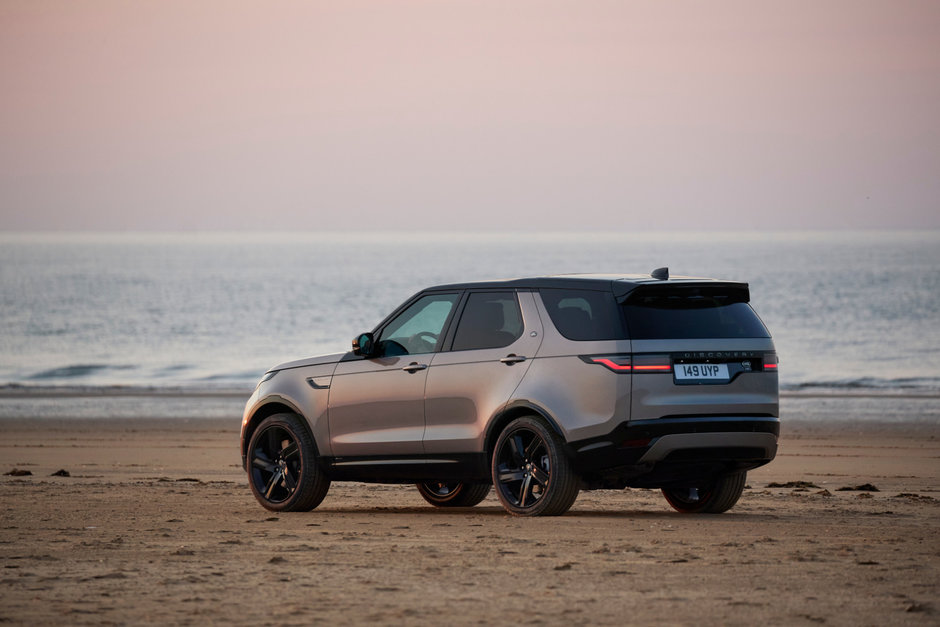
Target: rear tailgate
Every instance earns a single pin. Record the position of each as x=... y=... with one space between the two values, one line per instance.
x=707 y=378
x=699 y=351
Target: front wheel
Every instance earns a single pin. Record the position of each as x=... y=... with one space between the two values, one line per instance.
x=714 y=497
x=442 y=494
x=532 y=474
x=282 y=465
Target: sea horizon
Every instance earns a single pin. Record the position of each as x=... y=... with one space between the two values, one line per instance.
x=851 y=311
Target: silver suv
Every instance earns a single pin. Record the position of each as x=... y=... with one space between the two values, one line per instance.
x=540 y=387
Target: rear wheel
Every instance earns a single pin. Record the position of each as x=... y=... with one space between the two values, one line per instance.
x=443 y=494
x=532 y=474
x=283 y=468
x=714 y=497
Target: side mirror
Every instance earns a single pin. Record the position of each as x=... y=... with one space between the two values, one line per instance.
x=363 y=345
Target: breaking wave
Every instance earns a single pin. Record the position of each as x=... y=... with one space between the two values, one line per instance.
x=76 y=371
x=905 y=384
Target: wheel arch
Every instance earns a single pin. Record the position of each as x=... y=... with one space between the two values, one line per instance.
x=274 y=405
x=509 y=413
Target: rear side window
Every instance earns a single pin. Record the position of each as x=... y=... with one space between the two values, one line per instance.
x=691 y=314
x=583 y=314
x=490 y=320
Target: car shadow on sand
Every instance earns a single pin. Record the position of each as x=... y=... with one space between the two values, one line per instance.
x=574 y=513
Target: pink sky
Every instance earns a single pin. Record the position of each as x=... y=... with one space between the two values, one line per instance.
x=468 y=114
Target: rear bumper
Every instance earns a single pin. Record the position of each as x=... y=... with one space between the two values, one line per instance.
x=763 y=444
x=671 y=451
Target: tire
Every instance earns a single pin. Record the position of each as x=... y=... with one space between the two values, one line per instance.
x=713 y=498
x=283 y=469
x=531 y=473
x=441 y=494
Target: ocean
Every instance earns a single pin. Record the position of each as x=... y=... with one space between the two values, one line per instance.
x=208 y=312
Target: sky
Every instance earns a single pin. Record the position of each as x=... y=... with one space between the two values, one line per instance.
x=469 y=115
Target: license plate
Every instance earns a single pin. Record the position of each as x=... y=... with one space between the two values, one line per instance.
x=701 y=372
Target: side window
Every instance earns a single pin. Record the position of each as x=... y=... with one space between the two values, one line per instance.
x=583 y=314
x=490 y=320
x=418 y=328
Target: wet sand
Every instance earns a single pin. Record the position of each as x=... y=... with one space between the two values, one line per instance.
x=156 y=524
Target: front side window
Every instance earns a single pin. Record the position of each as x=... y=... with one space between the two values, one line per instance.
x=490 y=320
x=418 y=328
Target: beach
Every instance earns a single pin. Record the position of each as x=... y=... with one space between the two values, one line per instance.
x=155 y=523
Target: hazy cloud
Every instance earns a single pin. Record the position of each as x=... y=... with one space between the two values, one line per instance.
x=469 y=114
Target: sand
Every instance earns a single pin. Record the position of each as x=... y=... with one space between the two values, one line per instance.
x=156 y=524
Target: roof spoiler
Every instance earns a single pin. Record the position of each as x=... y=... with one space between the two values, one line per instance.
x=739 y=291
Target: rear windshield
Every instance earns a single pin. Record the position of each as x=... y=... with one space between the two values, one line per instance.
x=691 y=314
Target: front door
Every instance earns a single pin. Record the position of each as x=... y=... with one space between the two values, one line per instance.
x=376 y=406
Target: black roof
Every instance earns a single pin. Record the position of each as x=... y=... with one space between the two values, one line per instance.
x=619 y=284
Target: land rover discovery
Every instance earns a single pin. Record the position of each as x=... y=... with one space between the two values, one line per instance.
x=540 y=387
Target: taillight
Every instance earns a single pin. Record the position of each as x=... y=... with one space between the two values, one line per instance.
x=770 y=362
x=652 y=363
x=627 y=363
x=617 y=363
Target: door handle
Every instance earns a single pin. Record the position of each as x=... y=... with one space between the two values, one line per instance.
x=512 y=359
x=414 y=367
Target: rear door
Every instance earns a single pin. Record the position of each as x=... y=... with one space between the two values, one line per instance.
x=496 y=337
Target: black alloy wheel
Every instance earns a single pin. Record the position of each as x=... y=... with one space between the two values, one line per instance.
x=453 y=494
x=282 y=465
x=713 y=497
x=532 y=474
